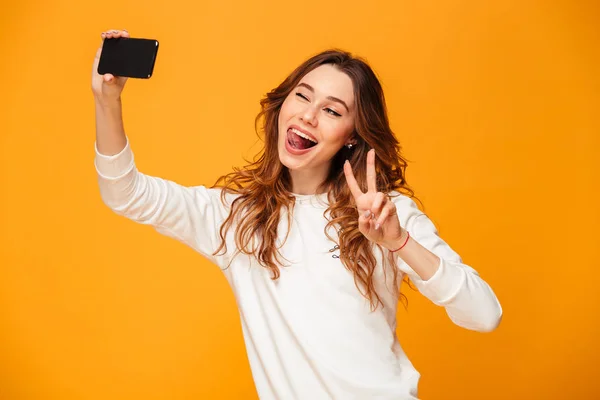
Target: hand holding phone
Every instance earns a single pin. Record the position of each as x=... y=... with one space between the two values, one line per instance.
x=108 y=79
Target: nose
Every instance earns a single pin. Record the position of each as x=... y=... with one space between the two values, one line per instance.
x=309 y=116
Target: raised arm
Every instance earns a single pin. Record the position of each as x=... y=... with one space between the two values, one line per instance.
x=107 y=89
x=192 y=215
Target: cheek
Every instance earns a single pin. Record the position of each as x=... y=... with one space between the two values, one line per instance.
x=287 y=110
x=339 y=132
x=282 y=117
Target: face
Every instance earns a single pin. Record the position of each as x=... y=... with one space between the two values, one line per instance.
x=316 y=120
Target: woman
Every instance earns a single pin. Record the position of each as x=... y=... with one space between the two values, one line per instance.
x=314 y=237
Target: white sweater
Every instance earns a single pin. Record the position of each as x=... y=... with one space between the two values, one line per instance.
x=309 y=335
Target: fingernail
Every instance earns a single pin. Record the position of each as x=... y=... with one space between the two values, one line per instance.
x=377 y=227
x=367 y=214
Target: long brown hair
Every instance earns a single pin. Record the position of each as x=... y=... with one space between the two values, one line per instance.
x=264 y=185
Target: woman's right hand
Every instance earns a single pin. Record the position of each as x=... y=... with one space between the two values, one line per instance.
x=107 y=88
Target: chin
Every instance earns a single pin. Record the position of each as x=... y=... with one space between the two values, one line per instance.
x=291 y=162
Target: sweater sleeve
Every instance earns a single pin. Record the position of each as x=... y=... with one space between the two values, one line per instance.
x=468 y=300
x=191 y=215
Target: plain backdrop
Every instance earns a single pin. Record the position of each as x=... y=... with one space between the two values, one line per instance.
x=496 y=106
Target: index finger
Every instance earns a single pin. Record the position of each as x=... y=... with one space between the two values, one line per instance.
x=371 y=177
x=352 y=184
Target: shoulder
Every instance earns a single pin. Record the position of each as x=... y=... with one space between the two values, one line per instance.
x=404 y=203
x=407 y=209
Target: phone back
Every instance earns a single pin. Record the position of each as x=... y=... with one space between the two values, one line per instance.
x=129 y=57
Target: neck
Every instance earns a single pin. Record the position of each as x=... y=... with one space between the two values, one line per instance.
x=307 y=181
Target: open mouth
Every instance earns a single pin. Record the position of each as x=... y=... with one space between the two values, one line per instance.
x=299 y=140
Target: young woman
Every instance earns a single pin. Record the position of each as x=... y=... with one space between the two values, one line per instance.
x=315 y=237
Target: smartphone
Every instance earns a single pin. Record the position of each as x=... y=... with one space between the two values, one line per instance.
x=129 y=57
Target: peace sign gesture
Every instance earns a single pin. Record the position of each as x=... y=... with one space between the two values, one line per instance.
x=377 y=217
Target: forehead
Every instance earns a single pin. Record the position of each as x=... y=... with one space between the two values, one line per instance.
x=327 y=80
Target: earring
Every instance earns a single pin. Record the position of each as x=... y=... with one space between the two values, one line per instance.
x=349 y=146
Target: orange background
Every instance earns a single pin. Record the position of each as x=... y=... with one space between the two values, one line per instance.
x=496 y=104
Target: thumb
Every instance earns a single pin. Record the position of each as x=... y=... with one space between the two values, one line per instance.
x=108 y=78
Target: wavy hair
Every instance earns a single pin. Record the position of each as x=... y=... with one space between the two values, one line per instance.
x=264 y=185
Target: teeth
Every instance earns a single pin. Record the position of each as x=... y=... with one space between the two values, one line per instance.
x=297 y=132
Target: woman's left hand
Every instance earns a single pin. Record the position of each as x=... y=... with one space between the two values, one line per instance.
x=377 y=217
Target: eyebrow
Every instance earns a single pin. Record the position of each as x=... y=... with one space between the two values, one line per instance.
x=342 y=102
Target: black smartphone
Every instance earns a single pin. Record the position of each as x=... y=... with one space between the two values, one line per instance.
x=129 y=57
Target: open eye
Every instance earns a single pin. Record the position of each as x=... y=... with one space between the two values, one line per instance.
x=330 y=111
